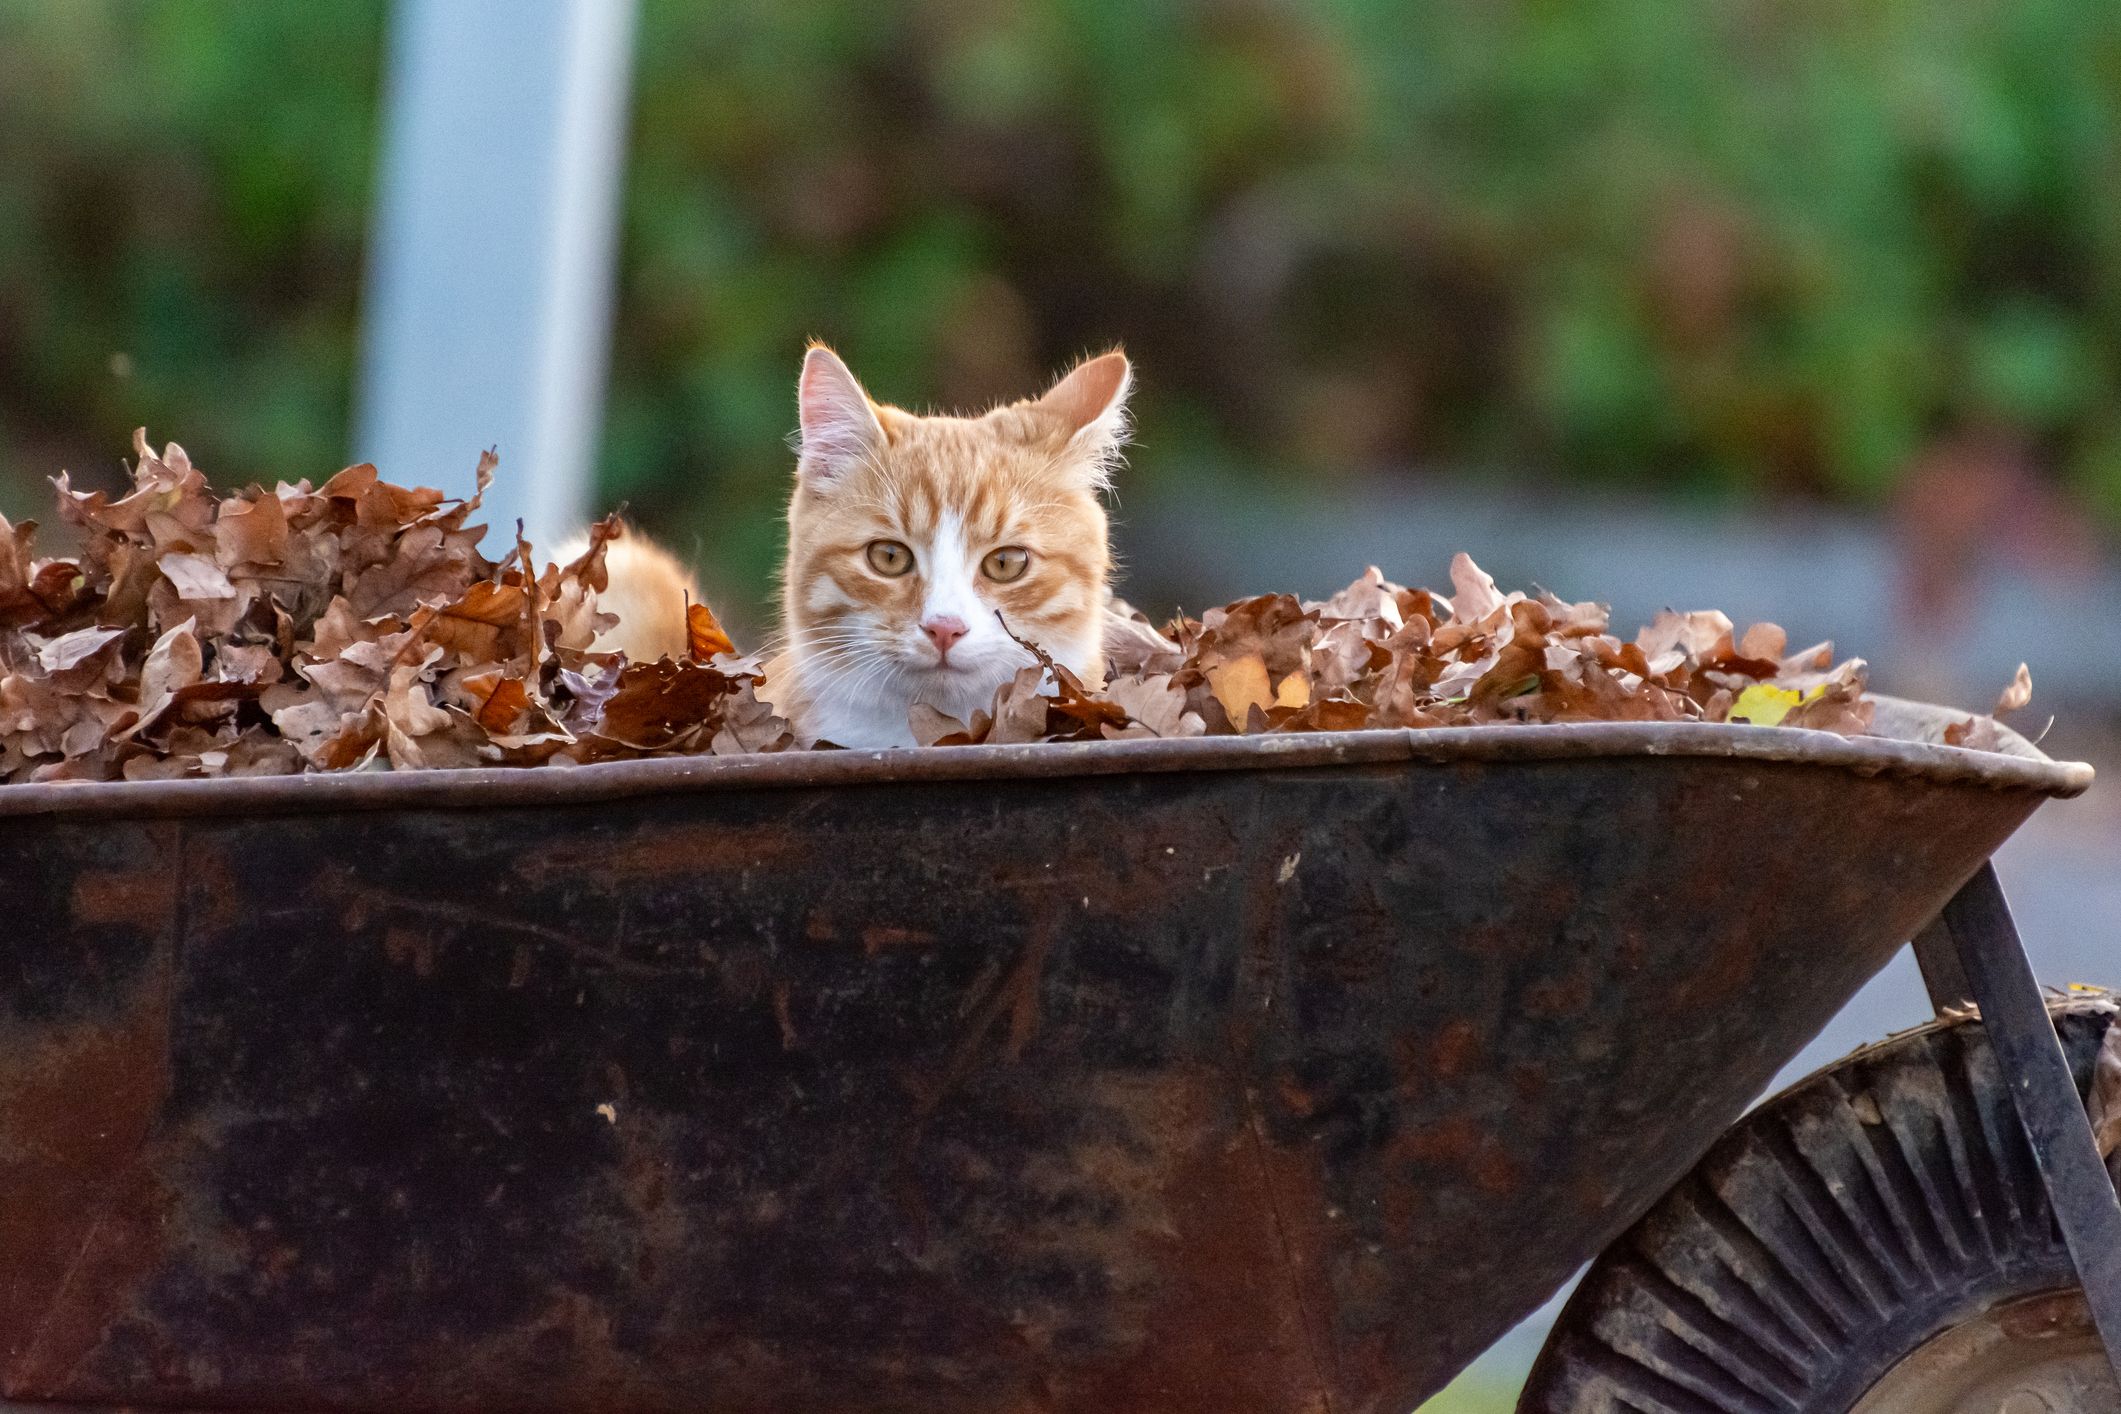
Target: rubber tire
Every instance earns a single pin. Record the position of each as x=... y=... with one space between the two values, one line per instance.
x=1828 y=1234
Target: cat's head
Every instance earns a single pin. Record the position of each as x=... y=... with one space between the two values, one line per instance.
x=913 y=539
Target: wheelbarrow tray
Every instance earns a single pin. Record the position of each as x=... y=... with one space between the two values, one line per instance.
x=1262 y=1074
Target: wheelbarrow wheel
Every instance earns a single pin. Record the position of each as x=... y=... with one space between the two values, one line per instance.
x=1875 y=1239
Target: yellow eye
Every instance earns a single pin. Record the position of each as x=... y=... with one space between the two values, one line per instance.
x=889 y=558
x=1006 y=564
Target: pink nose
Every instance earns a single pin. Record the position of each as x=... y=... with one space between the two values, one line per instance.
x=943 y=630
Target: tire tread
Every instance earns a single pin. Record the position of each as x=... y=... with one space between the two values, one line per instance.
x=1830 y=1231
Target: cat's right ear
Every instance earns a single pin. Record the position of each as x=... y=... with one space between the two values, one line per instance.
x=840 y=430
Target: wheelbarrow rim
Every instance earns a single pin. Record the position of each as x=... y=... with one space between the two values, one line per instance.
x=1909 y=746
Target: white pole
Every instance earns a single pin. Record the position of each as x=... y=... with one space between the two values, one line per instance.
x=488 y=306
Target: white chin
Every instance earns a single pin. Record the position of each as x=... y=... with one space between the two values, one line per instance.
x=961 y=688
x=874 y=715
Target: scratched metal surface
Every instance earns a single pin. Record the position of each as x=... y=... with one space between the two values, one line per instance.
x=1208 y=1089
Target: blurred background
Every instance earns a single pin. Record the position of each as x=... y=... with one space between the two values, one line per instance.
x=1804 y=309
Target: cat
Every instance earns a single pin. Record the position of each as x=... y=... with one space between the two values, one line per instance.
x=920 y=549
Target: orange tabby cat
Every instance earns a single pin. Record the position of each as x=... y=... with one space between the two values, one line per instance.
x=912 y=541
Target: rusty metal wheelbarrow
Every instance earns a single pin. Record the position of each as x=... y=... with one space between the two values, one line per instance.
x=1265 y=1074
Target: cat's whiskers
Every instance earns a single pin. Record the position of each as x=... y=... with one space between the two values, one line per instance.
x=878 y=674
x=838 y=670
x=840 y=663
x=819 y=644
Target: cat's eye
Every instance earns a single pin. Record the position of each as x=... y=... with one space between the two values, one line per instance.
x=889 y=558
x=1006 y=564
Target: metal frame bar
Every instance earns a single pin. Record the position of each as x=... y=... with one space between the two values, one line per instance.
x=486 y=787
x=1972 y=953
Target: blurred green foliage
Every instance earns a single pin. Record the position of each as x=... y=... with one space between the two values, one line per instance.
x=183 y=199
x=1760 y=247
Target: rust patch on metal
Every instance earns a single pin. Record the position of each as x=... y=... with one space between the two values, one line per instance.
x=1456 y=1047
x=1220 y=1327
x=142 y=898
x=2057 y=1315
x=1467 y=1150
x=705 y=847
x=878 y=937
x=1299 y=1102
x=410 y=947
x=80 y=1095
x=79 y=1214
x=119 y=1246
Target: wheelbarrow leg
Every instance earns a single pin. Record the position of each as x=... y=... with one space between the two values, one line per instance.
x=1972 y=953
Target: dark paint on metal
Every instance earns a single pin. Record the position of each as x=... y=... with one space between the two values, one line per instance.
x=2049 y=1104
x=1047 y=1079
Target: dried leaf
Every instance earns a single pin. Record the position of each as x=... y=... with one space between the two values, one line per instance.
x=704 y=634
x=174 y=663
x=196 y=577
x=1373 y=597
x=749 y=725
x=251 y=533
x=2017 y=694
x=1473 y=595
x=1133 y=646
x=427 y=565
x=1020 y=712
x=486 y=624
x=70 y=650
x=666 y=707
x=933 y=728
x=1241 y=686
x=502 y=703
x=1154 y=707
x=417 y=734
x=1975 y=734
x=1763 y=641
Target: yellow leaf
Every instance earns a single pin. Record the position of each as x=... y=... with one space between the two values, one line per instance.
x=1764 y=704
x=1240 y=685
x=1295 y=691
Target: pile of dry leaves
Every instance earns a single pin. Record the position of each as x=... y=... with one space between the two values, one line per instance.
x=1379 y=655
x=357 y=624
x=328 y=629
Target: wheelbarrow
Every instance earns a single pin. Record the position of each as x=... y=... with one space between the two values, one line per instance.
x=1266 y=1074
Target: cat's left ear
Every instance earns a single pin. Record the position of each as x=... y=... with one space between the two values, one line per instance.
x=1091 y=404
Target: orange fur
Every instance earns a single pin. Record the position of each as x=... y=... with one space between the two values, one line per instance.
x=1026 y=475
x=648 y=589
